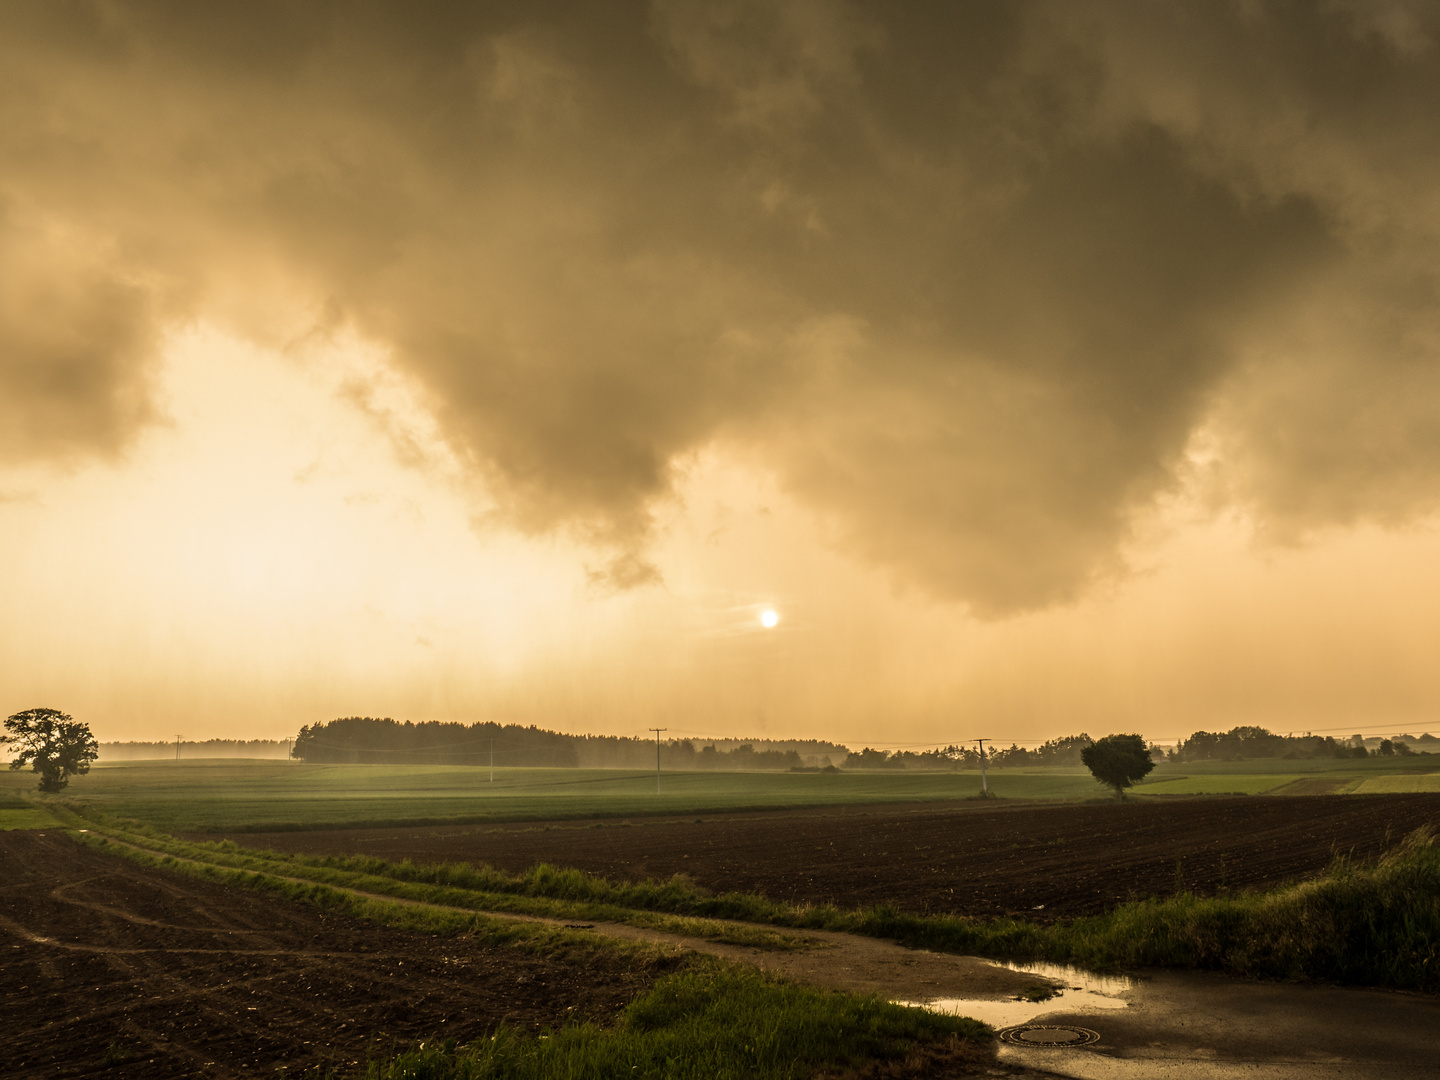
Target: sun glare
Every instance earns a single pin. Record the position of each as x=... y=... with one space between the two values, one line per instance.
x=769 y=618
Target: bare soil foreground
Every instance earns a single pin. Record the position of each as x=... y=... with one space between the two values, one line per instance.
x=1042 y=861
x=107 y=966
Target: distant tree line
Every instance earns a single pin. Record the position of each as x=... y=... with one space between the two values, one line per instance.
x=943 y=759
x=1064 y=751
x=1233 y=745
x=371 y=740
x=1256 y=742
x=364 y=739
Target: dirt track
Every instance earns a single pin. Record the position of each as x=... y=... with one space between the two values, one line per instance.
x=1038 y=860
x=185 y=978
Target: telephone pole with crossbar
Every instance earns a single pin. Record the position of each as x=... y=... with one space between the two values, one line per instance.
x=657 y=731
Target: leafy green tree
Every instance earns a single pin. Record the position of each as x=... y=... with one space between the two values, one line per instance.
x=1117 y=761
x=52 y=743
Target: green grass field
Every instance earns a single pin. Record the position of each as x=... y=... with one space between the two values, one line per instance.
x=1222 y=784
x=217 y=795
x=227 y=794
x=25 y=818
x=1384 y=785
x=1328 y=776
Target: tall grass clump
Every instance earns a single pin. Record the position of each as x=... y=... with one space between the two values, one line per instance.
x=1373 y=925
x=718 y=1023
x=1376 y=924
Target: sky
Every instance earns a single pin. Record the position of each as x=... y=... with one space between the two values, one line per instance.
x=1041 y=367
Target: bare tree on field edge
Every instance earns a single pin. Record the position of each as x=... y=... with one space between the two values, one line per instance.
x=52 y=743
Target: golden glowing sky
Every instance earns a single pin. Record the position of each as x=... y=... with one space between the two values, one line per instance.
x=1042 y=367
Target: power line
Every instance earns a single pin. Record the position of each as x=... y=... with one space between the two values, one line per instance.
x=1354 y=729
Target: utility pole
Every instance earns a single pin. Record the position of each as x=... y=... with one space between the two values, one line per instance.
x=984 y=787
x=177 y=746
x=657 y=731
x=492 y=761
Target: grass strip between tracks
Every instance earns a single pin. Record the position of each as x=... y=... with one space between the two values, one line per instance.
x=1372 y=923
x=712 y=1019
x=226 y=861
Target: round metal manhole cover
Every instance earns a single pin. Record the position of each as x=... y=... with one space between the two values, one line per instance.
x=1043 y=1035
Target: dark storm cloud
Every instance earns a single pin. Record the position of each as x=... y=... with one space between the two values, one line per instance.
x=970 y=277
x=76 y=341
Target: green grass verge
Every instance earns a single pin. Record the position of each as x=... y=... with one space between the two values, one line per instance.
x=1374 y=924
x=476 y=926
x=25 y=816
x=716 y=1023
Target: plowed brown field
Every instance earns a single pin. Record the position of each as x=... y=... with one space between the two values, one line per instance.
x=1039 y=860
x=165 y=975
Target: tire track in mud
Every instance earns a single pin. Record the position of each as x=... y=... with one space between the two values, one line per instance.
x=60 y=892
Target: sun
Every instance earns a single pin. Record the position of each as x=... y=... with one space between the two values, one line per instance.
x=769 y=618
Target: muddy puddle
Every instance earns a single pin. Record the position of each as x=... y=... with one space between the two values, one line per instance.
x=1168 y=1025
x=1058 y=988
